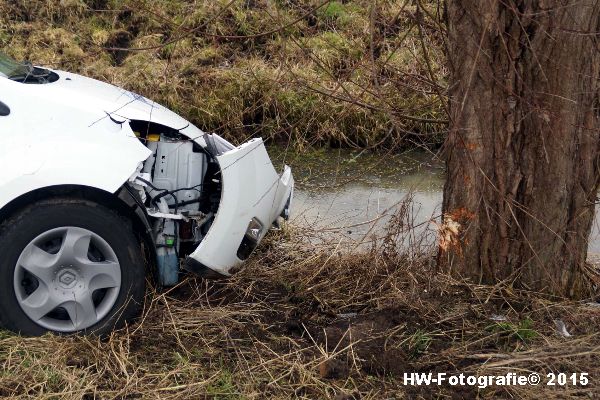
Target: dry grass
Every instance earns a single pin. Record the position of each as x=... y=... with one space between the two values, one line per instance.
x=300 y=323
x=351 y=73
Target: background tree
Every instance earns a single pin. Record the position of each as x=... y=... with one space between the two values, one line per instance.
x=522 y=153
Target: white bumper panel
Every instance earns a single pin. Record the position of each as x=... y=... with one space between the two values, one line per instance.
x=251 y=189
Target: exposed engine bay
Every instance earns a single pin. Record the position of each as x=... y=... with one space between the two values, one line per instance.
x=181 y=188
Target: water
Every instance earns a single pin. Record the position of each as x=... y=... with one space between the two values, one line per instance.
x=353 y=194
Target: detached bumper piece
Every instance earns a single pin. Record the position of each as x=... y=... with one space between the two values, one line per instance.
x=253 y=197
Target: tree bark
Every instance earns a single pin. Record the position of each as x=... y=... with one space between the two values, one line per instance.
x=522 y=154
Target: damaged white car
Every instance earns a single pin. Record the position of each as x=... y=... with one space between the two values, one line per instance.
x=100 y=186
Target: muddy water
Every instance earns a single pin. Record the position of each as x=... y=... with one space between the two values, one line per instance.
x=354 y=194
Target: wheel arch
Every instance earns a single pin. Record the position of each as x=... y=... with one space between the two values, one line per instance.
x=125 y=202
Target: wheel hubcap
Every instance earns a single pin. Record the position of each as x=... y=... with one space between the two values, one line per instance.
x=67 y=279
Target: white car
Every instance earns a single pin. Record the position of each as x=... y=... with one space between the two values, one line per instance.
x=100 y=186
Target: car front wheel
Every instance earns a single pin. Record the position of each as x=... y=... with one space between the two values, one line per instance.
x=67 y=266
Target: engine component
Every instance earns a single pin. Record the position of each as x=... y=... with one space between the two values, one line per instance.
x=177 y=168
x=166 y=248
x=177 y=174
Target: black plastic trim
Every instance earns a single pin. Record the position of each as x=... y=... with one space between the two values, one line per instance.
x=4 y=110
x=285 y=214
x=132 y=199
x=246 y=248
x=196 y=267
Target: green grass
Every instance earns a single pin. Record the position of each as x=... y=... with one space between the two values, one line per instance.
x=418 y=343
x=224 y=388
x=333 y=10
x=522 y=331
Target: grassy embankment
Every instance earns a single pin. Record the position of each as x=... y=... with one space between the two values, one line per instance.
x=349 y=74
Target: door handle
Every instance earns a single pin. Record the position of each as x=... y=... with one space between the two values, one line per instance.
x=4 y=110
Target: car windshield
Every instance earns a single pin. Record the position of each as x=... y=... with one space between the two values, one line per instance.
x=11 y=68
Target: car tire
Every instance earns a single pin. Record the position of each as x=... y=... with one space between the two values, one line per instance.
x=69 y=266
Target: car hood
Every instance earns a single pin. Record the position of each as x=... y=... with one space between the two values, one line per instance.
x=118 y=103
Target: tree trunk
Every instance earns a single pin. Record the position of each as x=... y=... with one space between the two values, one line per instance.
x=522 y=152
